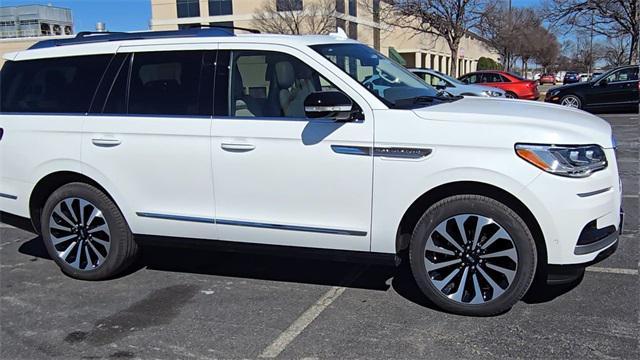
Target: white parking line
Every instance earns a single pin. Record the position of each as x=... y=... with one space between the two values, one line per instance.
x=301 y=323
x=630 y=196
x=612 y=270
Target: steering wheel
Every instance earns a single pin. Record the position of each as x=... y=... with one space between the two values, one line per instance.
x=386 y=77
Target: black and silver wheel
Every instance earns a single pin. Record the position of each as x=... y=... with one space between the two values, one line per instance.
x=510 y=95
x=472 y=255
x=571 y=101
x=85 y=233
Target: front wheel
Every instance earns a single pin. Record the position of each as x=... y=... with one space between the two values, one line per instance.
x=510 y=95
x=571 y=101
x=472 y=255
x=85 y=233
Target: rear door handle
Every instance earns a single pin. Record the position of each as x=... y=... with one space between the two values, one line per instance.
x=236 y=147
x=105 y=142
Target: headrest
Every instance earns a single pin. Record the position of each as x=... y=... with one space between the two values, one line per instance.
x=284 y=74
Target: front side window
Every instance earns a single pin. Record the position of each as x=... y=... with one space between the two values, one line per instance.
x=188 y=8
x=628 y=74
x=264 y=84
x=56 y=85
x=384 y=78
x=220 y=7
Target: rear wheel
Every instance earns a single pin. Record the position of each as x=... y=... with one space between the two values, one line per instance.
x=472 y=255
x=85 y=233
x=510 y=95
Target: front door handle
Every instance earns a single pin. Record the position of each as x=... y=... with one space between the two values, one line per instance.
x=105 y=142
x=236 y=147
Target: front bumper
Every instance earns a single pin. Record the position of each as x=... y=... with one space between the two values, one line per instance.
x=564 y=274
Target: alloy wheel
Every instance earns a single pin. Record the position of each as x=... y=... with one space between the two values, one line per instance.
x=570 y=101
x=470 y=259
x=79 y=233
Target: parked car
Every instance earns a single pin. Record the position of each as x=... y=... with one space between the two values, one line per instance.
x=454 y=86
x=584 y=77
x=547 y=79
x=560 y=76
x=595 y=75
x=316 y=142
x=570 y=77
x=515 y=87
x=616 y=90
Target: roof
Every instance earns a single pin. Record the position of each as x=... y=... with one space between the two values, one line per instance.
x=86 y=43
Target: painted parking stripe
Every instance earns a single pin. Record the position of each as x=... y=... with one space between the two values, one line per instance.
x=630 y=196
x=301 y=323
x=308 y=316
x=612 y=270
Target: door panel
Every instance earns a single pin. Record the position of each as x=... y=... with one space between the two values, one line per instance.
x=277 y=179
x=156 y=155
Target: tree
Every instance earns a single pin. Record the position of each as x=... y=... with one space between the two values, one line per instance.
x=450 y=20
x=289 y=17
x=488 y=64
x=611 y=18
x=615 y=52
x=546 y=54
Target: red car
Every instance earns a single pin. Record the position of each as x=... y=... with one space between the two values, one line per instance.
x=547 y=79
x=514 y=86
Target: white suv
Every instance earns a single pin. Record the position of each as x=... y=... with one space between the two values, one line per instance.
x=305 y=141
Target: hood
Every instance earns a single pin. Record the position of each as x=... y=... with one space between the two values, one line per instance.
x=527 y=121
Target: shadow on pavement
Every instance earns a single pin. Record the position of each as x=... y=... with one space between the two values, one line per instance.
x=292 y=269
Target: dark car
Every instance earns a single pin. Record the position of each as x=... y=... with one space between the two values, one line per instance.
x=571 y=77
x=616 y=90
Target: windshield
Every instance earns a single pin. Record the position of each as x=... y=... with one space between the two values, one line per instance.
x=384 y=78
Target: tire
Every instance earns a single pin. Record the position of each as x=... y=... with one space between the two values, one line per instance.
x=101 y=248
x=510 y=95
x=572 y=101
x=476 y=264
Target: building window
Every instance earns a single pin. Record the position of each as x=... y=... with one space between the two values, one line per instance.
x=188 y=8
x=189 y=26
x=288 y=5
x=376 y=10
x=353 y=30
x=340 y=6
x=222 y=24
x=220 y=7
x=353 y=7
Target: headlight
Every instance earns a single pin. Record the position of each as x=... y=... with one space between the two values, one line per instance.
x=570 y=161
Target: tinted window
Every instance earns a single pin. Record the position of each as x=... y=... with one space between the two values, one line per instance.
x=168 y=83
x=264 y=84
x=220 y=7
x=628 y=74
x=59 y=85
x=188 y=8
x=117 y=90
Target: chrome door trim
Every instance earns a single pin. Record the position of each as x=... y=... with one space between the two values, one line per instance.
x=177 y=217
x=252 y=224
x=292 y=227
x=8 y=196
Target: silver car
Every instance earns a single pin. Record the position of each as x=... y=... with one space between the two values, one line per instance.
x=454 y=86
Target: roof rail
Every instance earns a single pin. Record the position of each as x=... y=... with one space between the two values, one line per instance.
x=85 y=37
x=253 y=31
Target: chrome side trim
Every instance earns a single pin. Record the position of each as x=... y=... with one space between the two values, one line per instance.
x=591 y=193
x=351 y=150
x=598 y=245
x=291 y=227
x=8 y=196
x=252 y=224
x=177 y=217
x=387 y=152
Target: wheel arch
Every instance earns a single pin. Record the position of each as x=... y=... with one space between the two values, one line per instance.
x=419 y=206
x=48 y=184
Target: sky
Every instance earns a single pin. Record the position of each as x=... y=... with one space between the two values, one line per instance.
x=126 y=15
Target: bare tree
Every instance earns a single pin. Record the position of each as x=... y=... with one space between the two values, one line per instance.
x=289 y=17
x=611 y=18
x=548 y=51
x=450 y=20
x=616 y=50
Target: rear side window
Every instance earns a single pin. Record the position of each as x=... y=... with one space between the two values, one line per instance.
x=57 y=85
x=163 y=83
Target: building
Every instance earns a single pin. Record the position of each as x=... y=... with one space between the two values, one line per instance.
x=353 y=16
x=23 y=26
x=34 y=20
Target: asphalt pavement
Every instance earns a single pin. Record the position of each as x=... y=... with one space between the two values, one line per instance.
x=195 y=304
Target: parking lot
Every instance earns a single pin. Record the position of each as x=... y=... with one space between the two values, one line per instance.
x=185 y=304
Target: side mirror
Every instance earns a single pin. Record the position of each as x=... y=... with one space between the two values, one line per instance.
x=328 y=104
x=441 y=85
x=603 y=83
